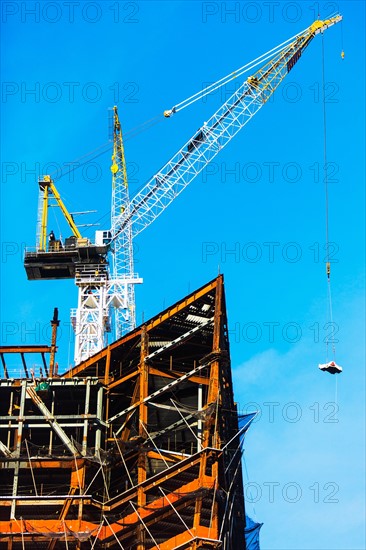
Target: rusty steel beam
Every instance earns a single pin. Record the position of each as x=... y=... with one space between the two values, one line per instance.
x=179 y=340
x=25 y=349
x=6 y=374
x=63 y=514
x=93 y=360
x=148 y=514
x=122 y=380
x=185 y=540
x=167 y=387
x=181 y=305
x=52 y=421
x=38 y=502
x=157 y=479
x=45 y=463
x=174 y=374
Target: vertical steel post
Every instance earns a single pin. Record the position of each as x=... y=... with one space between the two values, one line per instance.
x=199 y=422
x=86 y=420
x=98 y=432
x=141 y=461
x=10 y=413
x=43 y=234
x=18 y=448
x=54 y=324
x=51 y=432
x=107 y=367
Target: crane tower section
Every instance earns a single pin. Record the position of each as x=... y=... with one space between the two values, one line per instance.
x=121 y=291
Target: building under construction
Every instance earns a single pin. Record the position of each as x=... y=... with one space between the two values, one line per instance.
x=138 y=447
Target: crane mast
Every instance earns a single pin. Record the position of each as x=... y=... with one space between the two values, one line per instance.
x=103 y=288
x=110 y=289
x=121 y=291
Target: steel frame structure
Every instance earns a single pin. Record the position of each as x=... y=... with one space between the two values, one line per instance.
x=136 y=447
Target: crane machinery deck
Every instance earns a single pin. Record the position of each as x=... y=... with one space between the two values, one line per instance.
x=55 y=259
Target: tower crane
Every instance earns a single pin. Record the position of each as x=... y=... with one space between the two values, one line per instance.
x=103 y=288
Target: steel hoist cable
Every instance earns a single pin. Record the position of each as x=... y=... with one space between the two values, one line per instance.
x=328 y=263
x=325 y=168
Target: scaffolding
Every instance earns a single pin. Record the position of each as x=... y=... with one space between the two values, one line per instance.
x=137 y=447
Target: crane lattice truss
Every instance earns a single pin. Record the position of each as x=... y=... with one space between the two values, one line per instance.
x=91 y=319
x=214 y=135
x=138 y=447
x=161 y=190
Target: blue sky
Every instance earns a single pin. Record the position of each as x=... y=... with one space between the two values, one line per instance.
x=265 y=187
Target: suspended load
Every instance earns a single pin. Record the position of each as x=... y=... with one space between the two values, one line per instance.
x=331 y=367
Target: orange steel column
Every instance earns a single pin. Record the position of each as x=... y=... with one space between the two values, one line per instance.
x=81 y=482
x=54 y=323
x=141 y=461
x=19 y=433
x=107 y=366
x=213 y=397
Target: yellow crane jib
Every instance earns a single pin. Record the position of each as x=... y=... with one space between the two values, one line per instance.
x=48 y=188
x=320 y=25
x=274 y=65
x=268 y=77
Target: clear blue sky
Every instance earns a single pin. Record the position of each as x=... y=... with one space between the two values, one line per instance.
x=306 y=472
